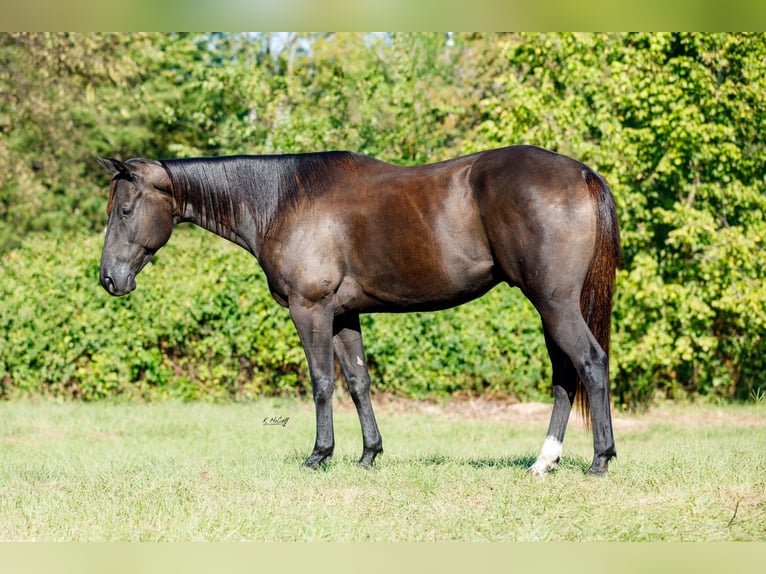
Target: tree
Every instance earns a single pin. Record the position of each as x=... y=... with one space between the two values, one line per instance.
x=63 y=99
x=675 y=122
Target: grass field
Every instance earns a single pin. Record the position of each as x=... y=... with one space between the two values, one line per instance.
x=451 y=471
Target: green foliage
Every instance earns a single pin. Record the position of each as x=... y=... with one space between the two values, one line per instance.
x=202 y=324
x=675 y=121
x=64 y=98
x=493 y=346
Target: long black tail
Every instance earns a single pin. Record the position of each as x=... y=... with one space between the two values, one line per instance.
x=596 y=297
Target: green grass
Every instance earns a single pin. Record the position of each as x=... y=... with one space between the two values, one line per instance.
x=200 y=471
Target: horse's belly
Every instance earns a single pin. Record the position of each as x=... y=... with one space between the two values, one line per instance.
x=402 y=284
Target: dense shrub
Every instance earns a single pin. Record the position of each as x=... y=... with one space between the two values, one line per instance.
x=676 y=124
x=202 y=325
x=675 y=121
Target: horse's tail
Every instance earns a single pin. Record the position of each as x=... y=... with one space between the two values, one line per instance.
x=597 y=291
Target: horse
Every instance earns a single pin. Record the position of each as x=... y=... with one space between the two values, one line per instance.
x=339 y=234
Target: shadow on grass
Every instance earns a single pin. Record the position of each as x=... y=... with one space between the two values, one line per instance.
x=298 y=459
x=523 y=462
x=520 y=462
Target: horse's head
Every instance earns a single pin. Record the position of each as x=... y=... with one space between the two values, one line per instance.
x=140 y=215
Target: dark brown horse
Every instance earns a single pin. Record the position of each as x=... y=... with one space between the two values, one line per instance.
x=339 y=234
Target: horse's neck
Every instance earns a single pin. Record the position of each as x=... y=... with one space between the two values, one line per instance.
x=230 y=199
x=240 y=197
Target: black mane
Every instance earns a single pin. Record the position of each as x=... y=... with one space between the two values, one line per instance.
x=219 y=187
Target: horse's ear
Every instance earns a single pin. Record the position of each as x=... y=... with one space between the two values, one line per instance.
x=114 y=166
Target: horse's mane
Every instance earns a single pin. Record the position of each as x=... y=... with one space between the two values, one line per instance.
x=219 y=187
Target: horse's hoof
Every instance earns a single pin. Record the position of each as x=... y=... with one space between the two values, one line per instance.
x=368 y=458
x=536 y=472
x=315 y=462
x=598 y=469
x=600 y=464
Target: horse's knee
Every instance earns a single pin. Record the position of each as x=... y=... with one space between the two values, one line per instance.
x=358 y=386
x=323 y=389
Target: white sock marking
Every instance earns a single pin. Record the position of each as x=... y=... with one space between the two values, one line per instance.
x=549 y=456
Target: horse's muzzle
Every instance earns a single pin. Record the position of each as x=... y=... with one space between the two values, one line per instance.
x=119 y=287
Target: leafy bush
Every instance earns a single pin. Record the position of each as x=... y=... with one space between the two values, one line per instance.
x=700 y=332
x=675 y=121
x=202 y=325
x=676 y=124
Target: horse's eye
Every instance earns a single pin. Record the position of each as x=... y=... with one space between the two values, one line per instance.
x=126 y=211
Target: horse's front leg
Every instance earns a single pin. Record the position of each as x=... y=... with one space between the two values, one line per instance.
x=314 y=322
x=350 y=352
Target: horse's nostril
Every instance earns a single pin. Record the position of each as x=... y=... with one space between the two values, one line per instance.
x=109 y=284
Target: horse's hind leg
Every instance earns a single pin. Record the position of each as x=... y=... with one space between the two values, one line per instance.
x=350 y=352
x=564 y=389
x=566 y=327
